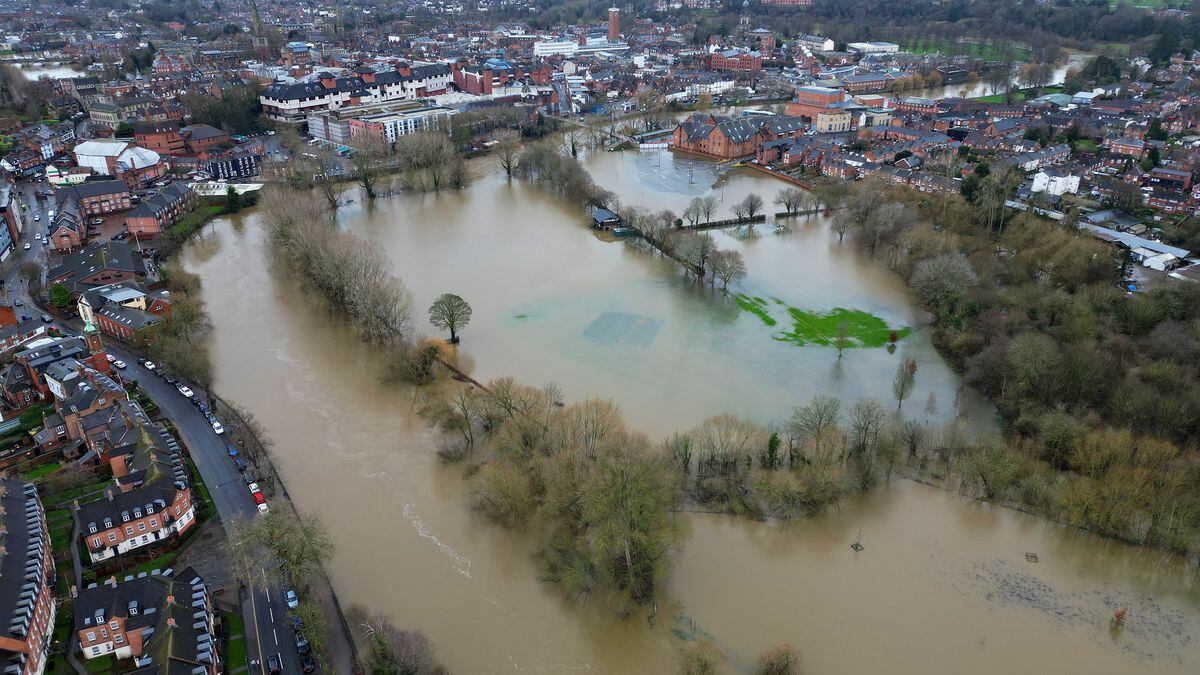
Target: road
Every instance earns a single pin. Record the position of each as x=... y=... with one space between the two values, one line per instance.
x=271 y=632
x=229 y=495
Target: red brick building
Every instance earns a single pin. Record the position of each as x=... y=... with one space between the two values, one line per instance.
x=736 y=60
x=162 y=137
x=27 y=578
x=811 y=101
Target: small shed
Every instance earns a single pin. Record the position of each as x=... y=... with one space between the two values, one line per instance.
x=603 y=219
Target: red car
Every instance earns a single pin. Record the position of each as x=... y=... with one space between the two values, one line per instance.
x=259 y=498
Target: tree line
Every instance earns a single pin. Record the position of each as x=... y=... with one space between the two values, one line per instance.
x=1097 y=387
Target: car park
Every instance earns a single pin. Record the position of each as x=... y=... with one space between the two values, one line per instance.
x=293 y=600
x=120 y=365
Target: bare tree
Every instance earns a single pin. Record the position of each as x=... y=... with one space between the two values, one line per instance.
x=751 y=206
x=728 y=266
x=450 y=312
x=816 y=421
x=708 y=207
x=791 y=199
x=904 y=380
x=369 y=161
x=841 y=341
x=507 y=148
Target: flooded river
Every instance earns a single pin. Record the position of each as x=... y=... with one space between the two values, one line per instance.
x=943 y=584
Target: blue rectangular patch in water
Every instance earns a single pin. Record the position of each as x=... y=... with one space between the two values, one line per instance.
x=618 y=328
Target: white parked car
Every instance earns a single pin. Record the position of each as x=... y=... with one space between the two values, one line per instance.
x=37 y=218
x=253 y=487
x=149 y=365
x=110 y=357
x=120 y=365
x=218 y=428
x=185 y=391
x=27 y=246
x=262 y=508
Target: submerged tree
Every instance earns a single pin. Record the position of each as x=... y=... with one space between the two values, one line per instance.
x=904 y=380
x=450 y=312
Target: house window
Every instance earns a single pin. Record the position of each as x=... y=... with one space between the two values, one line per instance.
x=95 y=651
x=129 y=530
x=96 y=541
x=118 y=638
x=91 y=636
x=114 y=625
x=125 y=516
x=154 y=522
x=92 y=528
x=112 y=536
x=104 y=633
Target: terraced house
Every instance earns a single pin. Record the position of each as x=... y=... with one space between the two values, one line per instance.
x=27 y=605
x=732 y=137
x=150 y=501
x=163 y=621
x=292 y=102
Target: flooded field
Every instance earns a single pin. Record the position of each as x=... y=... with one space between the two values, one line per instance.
x=942 y=585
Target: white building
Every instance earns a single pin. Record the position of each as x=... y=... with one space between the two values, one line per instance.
x=1054 y=182
x=552 y=47
x=293 y=102
x=873 y=47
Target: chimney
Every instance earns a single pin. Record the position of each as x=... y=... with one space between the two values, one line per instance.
x=614 y=24
x=404 y=69
x=328 y=80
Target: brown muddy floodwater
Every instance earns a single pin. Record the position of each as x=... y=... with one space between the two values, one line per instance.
x=942 y=586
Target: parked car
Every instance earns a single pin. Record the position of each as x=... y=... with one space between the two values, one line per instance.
x=302 y=646
x=17 y=302
x=295 y=622
x=218 y=428
x=120 y=365
x=185 y=391
x=254 y=488
x=307 y=663
x=46 y=318
x=27 y=246
x=149 y=365
x=239 y=463
x=249 y=478
x=293 y=600
x=37 y=218
x=262 y=508
x=259 y=498
x=171 y=379
x=231 y=450
x=110 y=357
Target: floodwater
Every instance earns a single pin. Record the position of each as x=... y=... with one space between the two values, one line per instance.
x=52 y=72
x=977 y=89
x=942 y=585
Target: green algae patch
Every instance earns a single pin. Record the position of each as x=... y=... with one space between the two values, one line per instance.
x=863 y=329
x=756 y=306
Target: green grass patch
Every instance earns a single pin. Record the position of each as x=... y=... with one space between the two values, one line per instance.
x=43 y=470
x=235 y=650
x=100 y=664
x=85 y=493
x=863 y=329
x=984 y=49
x=756 y=306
